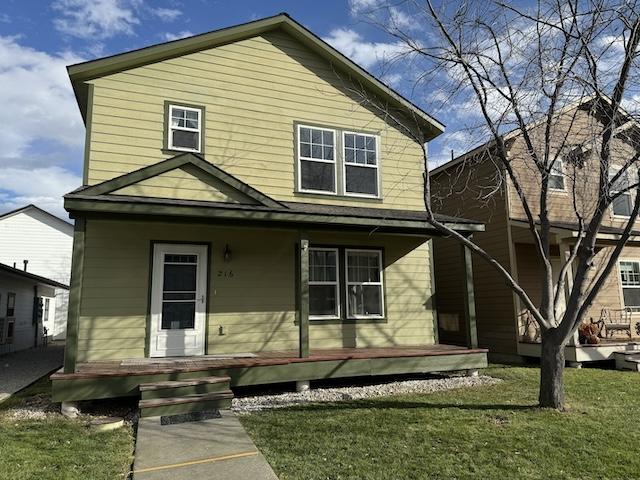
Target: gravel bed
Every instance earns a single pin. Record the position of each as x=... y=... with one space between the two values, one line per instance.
x=244 y=405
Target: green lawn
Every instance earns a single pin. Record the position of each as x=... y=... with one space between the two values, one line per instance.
x=492 y=432
x=57 y=448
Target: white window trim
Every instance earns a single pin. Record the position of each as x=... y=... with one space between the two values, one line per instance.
x=344 y=165
x=336 y=284
x=622 y=287
x=615 y=169
x=170 y=128
x=299 y=158
x=348 y=283
x=561 y=175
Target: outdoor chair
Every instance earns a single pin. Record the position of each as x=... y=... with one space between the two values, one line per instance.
x=616 y=320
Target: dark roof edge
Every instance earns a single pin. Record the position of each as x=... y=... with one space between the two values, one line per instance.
x=32 y=276
x=85 y=71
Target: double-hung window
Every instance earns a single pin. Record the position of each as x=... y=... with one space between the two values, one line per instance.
x=630 y=281
x=316 y=159
x=360 y=164
x=364 y=283
x=621 y=205
x=556 y=175
x=11 y=305
x=324 y=297
x=337 y=162
x=184 y=128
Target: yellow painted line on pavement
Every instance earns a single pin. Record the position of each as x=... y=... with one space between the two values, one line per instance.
x=197 y=462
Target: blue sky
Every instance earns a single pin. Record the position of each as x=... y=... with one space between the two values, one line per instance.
x=43 y=139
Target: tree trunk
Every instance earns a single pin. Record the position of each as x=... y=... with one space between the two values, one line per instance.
x=552 y=370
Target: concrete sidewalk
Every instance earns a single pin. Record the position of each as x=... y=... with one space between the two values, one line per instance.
x=213 y=449
x=17 y=370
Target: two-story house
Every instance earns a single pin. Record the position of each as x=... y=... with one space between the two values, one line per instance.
x=248 y=209
x=477 y=187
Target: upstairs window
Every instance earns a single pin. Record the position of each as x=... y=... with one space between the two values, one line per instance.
x=185 y=128
x=630 y=280
x=621 y=205
x=316 y=160
x=556 y=175
x=360 y=164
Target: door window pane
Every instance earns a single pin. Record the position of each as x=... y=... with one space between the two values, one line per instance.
x=178 y=315
x=179 y=291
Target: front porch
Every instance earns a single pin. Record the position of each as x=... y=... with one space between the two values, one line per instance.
x=116 y=378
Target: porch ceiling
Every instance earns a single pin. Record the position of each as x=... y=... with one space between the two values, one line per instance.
x=568 y=231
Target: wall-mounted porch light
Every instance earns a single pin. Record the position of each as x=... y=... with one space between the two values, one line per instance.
x=226 y=255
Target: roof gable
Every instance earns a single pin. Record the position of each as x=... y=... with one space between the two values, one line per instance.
x=184 y=177
x=83 y=72
x=42 y=216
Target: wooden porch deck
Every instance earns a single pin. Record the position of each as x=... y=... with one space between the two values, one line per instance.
x=122 y=378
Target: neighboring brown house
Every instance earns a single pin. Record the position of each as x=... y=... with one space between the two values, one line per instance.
x=474 y=185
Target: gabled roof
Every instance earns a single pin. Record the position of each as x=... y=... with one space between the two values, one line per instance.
x=628 y=123
x=83 y=72
x=179 y=161
x=31 y=206
x=30 y=276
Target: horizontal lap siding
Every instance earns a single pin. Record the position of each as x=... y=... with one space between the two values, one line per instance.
x=461 y=194
x=253 y=92
x=256 y=306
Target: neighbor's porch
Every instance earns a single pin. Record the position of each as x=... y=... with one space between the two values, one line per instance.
x=609 y=325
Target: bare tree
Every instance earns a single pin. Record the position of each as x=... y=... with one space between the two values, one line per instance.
x=528 y=74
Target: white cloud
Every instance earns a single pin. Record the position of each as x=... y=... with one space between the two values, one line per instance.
x=169 y=36
x=166 y=14
x=43 y=133
x=41 y=186
x=37 y=99
x=366 y=54
x=96 y=19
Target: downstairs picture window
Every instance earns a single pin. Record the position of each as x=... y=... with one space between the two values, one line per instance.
x=323 y=283
x=364 y=284
x=630 y=281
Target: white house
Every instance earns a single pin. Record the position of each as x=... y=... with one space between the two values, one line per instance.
x=25 y=300
x=44 y=242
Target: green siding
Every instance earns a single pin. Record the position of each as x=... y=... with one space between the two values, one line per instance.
x=257 y=305
x=253 y=91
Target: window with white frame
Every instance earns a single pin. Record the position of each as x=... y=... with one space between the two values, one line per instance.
x=630 y=281
x=621 y=205
x=185 y=128
x=360 y=164
x=556 y=175
x=316 y=160
x=324 y=298
x=364 y=283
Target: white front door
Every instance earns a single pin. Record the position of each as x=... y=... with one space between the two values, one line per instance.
x=178 y=300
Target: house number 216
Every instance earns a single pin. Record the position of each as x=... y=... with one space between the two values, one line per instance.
x=225 y=273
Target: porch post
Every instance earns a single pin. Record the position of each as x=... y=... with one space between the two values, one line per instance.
x=303 y=293
x=469 y=299
x=75 y=293
x=564 y=256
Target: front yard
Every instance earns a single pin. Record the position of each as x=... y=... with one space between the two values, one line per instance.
x=482 y=432
x=48 y=446
x=485 y=432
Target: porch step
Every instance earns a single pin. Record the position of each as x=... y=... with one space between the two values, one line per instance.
x=185 y=404
x=182 y=388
